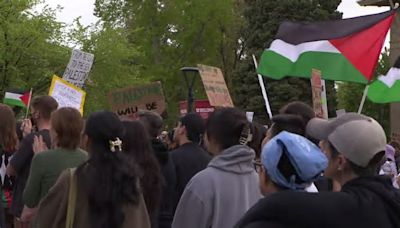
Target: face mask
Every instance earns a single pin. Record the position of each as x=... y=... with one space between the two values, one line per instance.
x=34 y=116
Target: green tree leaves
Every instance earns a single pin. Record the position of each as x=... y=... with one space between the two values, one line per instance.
x=262 y=21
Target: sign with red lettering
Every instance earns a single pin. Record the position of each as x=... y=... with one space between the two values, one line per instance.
x=215 y=86
x=319 y=94
x=202 y=107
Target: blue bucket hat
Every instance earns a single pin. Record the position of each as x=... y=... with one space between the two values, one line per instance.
x=306 y=158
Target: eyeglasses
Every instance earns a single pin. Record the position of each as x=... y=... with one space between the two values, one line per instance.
x=257 y=166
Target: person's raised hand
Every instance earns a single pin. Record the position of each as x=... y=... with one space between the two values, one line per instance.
x=26 y=127
x=39 y=145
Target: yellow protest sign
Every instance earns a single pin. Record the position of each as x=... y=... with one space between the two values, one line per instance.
x=67 y=94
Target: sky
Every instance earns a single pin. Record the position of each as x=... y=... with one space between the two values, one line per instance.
x=84 y=8
x=73 y=9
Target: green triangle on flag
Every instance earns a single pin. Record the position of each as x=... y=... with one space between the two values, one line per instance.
x=386 y=89
x=345 y=50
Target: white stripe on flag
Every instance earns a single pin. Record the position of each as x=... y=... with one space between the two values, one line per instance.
x=293 y=52
x=391 y=77
x=14 y=96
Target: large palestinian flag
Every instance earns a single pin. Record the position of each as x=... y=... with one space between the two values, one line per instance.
x=386 y=88
x=344 y=50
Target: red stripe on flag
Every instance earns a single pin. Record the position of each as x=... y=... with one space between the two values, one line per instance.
x=25 y=98
x=363 y=49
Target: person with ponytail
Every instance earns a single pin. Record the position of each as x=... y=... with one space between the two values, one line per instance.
x=103 y=192
x=218 y=196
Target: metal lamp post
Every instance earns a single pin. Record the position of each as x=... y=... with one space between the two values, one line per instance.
x=190 y=73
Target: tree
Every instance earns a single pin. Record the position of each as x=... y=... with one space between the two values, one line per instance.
x=176 y=33
x=350 y=95
x=262 y=21
x=31 y=48
x=114 y=65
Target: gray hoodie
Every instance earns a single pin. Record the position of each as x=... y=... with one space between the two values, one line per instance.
x=219 y=196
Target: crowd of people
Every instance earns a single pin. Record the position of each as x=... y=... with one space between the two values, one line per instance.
x=60 y=170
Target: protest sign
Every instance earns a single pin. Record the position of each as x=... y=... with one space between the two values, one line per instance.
x=78 y=68
x=319 y=94
x=215 y=86
x=202 y=107
x=66 y=94
x=128 y=101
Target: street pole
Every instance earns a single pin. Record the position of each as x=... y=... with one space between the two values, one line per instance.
x=190 y=73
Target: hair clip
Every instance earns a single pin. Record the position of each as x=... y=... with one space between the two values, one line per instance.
x=117 y=143
x=245 y=136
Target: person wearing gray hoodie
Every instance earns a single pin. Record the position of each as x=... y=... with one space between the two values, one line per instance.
x=219 y=196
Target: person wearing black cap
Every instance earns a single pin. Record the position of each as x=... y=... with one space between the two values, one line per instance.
x=189 y=158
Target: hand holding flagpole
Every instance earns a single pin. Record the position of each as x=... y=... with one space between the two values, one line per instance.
x=29 y=104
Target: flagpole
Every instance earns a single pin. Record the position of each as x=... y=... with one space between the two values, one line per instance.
x=391 y=4
x=29 y=104
x=360 y=108
x=263 y=90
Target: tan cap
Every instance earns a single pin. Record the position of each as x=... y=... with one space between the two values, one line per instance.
x=359 y=138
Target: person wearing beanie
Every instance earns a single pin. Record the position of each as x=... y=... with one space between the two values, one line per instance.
x=288 y=162
x=189 y=158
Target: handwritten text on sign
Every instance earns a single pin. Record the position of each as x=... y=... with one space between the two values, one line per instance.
x=66 y=94
x=78 y=67
x=127 y=102
x=215 y=86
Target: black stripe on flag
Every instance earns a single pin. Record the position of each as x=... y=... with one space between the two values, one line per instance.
x=301 y=32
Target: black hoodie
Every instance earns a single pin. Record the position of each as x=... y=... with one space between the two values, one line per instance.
x=367 y=202
x=166 y=213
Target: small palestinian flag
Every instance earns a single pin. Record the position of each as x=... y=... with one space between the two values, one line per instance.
x=17 y=99
x=386 y=89
x=344 y=50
